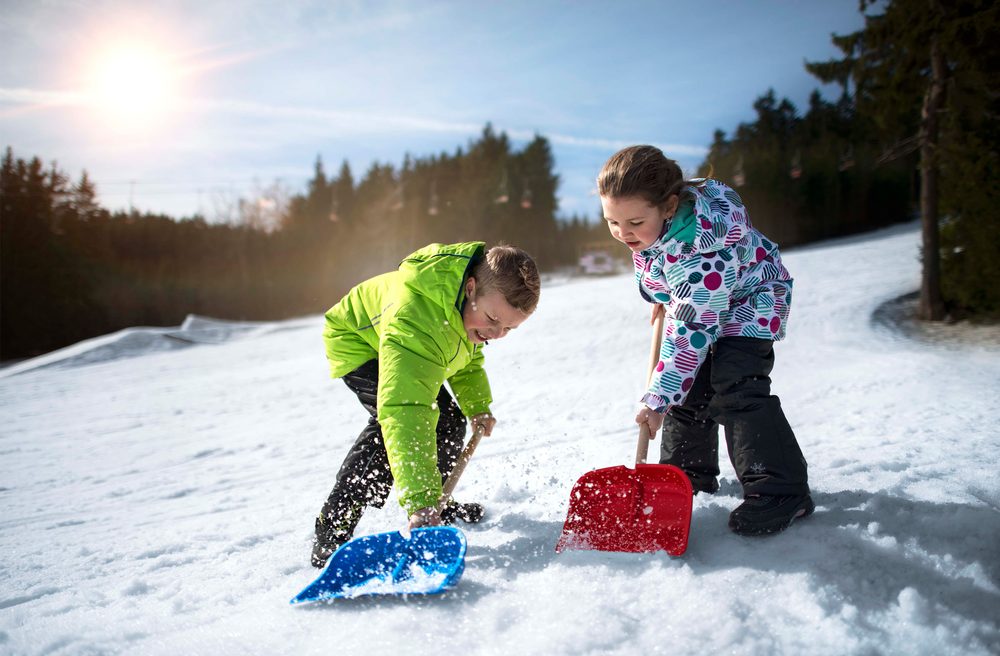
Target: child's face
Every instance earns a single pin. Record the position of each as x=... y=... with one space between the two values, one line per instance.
x=634 y=222
x=492 y=318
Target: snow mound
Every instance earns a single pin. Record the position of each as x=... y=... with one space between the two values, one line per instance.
x=132 y=342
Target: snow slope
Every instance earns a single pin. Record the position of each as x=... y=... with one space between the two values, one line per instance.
x=162 y=503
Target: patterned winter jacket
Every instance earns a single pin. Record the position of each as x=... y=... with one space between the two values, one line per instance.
x=717 y=277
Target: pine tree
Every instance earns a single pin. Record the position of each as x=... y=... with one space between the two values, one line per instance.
x=343 y=195
x=538 y=203
x=908 y=67
x=84 y=199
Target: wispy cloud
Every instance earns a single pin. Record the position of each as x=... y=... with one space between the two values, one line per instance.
x=617 y=144
x=356 y=120
x=332 y=119
x=30 y=100
x=380 y=122
x=200 y=64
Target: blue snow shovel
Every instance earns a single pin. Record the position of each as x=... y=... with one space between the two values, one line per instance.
x=430 y=561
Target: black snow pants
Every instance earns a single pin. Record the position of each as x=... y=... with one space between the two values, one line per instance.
x=733 y=389
x=365 y=478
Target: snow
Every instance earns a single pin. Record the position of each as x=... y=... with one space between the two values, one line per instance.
x=160 y=500
x=417 y=582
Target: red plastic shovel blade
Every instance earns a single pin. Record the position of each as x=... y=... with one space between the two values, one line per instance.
x=620 y=509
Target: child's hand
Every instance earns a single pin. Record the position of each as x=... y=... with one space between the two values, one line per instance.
x=652 y=419
x=428 y=516
x=486 y=421
x=658 y=311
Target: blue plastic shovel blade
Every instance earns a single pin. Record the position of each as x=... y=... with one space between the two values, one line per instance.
x=430 y=561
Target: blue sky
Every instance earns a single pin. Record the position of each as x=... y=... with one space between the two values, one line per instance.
x=184 y=106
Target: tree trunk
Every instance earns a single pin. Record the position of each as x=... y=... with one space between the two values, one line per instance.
x=931 y=303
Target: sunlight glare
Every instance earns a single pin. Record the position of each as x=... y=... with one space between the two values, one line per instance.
x=133 y=86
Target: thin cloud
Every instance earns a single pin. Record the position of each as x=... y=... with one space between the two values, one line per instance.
x=357 y=120
x=223 y=61
x=34 y=99
x=379 y=122
x=617 y=144
x=30 y=100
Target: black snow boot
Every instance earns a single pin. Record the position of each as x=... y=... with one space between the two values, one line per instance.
x=331 y=533
x=470 y=513
x=760 y=514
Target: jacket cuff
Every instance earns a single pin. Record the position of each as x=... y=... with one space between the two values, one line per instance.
x=428 y=499
x=655 y=402
x=476 y=409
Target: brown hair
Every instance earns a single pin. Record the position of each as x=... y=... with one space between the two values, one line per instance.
x=513 y=273
x=642 y=171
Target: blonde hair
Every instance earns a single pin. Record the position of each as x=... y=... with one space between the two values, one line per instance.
x=642 y=171
x=510 y=271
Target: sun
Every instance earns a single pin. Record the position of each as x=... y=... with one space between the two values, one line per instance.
x=133 y=85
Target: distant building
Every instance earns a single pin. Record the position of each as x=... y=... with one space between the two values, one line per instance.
x=597 y=259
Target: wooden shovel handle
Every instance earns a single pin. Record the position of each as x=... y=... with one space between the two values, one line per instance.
x=456 y=472
x=642 y=448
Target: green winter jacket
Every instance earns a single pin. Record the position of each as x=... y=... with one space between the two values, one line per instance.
x=411 y=320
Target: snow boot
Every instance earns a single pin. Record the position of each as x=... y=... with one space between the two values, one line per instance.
x=331 y=533
x=470 y=513
x=760 y=514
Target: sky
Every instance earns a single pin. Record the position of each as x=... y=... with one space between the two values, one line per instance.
x=185 y=106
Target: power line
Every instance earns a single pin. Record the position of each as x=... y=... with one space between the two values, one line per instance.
x=200 y=183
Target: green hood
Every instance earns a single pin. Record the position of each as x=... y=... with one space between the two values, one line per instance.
x=411 y=321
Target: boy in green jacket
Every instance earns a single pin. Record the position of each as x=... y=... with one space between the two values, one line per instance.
x=395 y=339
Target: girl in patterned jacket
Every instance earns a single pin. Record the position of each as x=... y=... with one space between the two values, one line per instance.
x=725 y=296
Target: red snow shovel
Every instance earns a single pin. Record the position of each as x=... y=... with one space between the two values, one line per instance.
x=620 y=509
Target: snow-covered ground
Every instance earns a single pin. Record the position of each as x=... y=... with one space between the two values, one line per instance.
x=162 y=503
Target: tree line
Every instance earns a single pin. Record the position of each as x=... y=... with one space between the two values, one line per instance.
x=70 y=269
